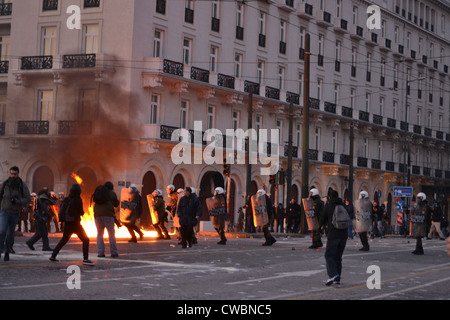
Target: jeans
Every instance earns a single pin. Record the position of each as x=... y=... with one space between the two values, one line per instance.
x=41 y=232
x=8 y=223
x=375 y=225
x=101 y=223
x=333 y=256
x=71 y=228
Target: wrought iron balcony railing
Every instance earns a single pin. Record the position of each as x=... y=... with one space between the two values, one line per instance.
x=37 y=63
x=33 y=127
x=200 y=74
x=6 y=9
x=79 y=61
x=74 y=127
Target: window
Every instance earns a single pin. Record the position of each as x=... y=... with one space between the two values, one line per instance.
x=237 y=65
x=48 y=44
x=418 y=117
x=355 y=15
x=430 y=119
x=46 y=105
x=279 y=126
x=157 y=44
x=210 y=117
x=215 y=9
x=184 y=109
x=319 y=89
x=408 y=40
x=352 y=97
x=154 y=108
x=367 y=102
x=394 y=109
x=213 y=58
x=396 y=34
x=260 y=71
x=298 y=139
x=334 y=139
x=235 y=119
x=338 y=8
x=91 y=39
x=239 y=15
x=380 y=149
x=88 y=103
x=187 y=45
x=383 y=28
x=282 y=31
x=262 y=23
x=337 y=89
x=381 y=106
x=366 y=148
x=420 y=47
x=317 y=132
x=4 y=48
x=281 y=75
x=300 y=85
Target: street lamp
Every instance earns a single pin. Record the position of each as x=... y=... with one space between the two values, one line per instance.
x=406 y=130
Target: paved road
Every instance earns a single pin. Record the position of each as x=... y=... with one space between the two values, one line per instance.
x=241 y=270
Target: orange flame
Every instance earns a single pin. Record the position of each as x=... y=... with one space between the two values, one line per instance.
x=77 y=178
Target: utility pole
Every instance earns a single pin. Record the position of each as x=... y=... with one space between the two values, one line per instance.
x=305 y=149
x=249 y=127
x=350 y=168
x=289 y=169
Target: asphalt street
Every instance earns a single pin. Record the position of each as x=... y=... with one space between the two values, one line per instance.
x=241 y=270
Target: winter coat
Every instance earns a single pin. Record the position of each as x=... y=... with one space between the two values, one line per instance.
x=107 y=209
x=14 y=188
x=188 y=209
x=75 y=207
x=327 y=218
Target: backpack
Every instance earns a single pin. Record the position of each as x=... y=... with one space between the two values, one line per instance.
x=63 y=210
x=340 y=219
x=100 y=195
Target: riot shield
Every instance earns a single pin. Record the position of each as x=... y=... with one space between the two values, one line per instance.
x=125 y=208
x=311 y=218
x=260 y=215
x=153 y=212
x=216 y=207
x=363 y=215
x=417 y=226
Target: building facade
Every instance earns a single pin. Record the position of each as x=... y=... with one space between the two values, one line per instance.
x=103 y=100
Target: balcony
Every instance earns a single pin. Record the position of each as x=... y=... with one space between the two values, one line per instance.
x=314 y=103
x=272 y=93
x=364 y=116
x=225 y=81
x=377 y=119
x=33 y=127
x=37 y=63
x=188 y=15
x=66 y=128
x=306 y=11
x=323 y=18
x=4 y=67
x=328 y=157
x=391 y=123
x=79 y=61
x=6 y=9
x=356 y=32
x=362 y=162
x=330 y=107
x=313 y=154
x=347 y=112
x=215 y=24
x=251 y=87
x=173 y=67
x=2 y=128
x=376 y=164
x=91 y=3
x=49 y=5
x=200 y=74
x=417 y=129
x=293 y=98
x=294 y=151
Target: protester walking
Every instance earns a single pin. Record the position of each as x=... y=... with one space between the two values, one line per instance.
x=73 y=225
x=14 y=195
x=337 y=237
x=105 y=217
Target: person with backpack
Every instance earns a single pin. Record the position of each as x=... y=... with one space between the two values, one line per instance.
x=72 y=217
x=135 y=204
x=337 y=219
x=14 y=195
x=105 y=217
x=41 y=216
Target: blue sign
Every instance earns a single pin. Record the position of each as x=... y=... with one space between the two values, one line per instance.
x=403 y=192
x=399 y=205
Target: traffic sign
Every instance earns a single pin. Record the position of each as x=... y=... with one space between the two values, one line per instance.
x=403 y=192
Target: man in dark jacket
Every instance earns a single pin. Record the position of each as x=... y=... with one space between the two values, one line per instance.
x=73 y=225
x=189 y=211
x=105 y=217
x=337 y=238
x=14 y=195
x=160 y=207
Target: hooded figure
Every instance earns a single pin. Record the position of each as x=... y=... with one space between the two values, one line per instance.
x=41 y=217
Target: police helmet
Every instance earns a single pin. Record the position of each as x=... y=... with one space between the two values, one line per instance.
x=363 y=195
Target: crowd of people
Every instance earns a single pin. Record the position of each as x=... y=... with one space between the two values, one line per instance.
x=338 y=219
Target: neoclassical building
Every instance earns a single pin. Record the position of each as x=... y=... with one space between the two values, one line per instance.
x=104 y=100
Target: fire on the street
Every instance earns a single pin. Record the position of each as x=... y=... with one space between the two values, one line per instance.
x=88 y=222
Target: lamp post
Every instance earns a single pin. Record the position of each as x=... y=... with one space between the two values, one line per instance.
x=407 y=182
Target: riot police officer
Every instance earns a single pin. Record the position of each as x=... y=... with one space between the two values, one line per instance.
x=419 y=213
x=363 y=217
x=159 y=206
x=270 y=240
x=318 y=207
x=171 y=207
x=218 y=220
